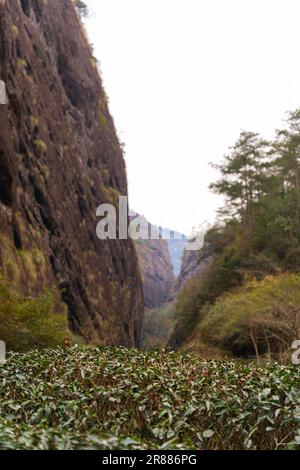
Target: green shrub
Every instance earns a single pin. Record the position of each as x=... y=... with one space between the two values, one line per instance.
x=40 y=144
x=27 y=323
x=263 y=317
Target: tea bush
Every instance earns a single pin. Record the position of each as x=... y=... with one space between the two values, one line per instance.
x=114 y=398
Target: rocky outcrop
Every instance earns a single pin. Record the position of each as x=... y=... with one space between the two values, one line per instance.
x=194 y=263
x=156 y=265
x=59 y=160
x=157 y=271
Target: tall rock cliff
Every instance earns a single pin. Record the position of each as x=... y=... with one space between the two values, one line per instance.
x=157 y=271
x=60 y=159
x=156 y=265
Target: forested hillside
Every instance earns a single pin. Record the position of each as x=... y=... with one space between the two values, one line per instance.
x=246 y=302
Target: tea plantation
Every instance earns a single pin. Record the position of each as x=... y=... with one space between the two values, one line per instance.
x=114 y=398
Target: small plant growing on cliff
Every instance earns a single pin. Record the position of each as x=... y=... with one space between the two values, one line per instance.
x=34 y=121
x=40 y=144
x=14 y=30
x=82 y=8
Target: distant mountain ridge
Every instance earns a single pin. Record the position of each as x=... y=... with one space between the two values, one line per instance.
x=176 y=241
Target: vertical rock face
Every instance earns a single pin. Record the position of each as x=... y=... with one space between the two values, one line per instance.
x=60 y=159
x=157 y=270
x=156 y=264
x=194 y=263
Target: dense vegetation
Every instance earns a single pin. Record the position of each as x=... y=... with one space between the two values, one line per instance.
x=157 y=327
x=27 y=322
x=116 y=398
x=263 y=315
x=258 y=235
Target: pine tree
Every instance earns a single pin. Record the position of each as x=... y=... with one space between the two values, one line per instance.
x=287 y=149
x=244 y=171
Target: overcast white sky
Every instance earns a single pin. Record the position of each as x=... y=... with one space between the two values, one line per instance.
x=183 y=78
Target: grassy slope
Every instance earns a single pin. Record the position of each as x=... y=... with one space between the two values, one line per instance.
x=114 y=398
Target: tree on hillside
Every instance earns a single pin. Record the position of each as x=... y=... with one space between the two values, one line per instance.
x=287 y=158
x=287 y=145
x=243 y=173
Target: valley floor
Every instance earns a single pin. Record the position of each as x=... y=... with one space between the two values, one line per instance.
x=114 y=398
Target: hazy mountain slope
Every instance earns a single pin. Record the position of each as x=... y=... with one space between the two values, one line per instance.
x=156 y=267
x=176 y=250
